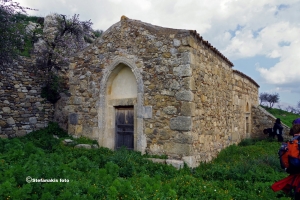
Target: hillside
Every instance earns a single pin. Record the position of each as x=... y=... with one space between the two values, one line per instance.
x=286 y=117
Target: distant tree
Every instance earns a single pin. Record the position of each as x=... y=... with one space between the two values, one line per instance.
x=298 y=108
x=263 y=97
x=12 y=30
x=272 y=99
x=68 y=39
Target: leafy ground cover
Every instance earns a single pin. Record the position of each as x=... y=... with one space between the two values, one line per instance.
x=286 y=117
x=244 y=171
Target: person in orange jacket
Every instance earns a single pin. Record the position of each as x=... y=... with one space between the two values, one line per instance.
x=292 y=182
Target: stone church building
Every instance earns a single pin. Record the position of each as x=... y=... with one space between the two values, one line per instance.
x=159 y=91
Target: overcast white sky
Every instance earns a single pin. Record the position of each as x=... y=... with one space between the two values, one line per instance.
x=260 y=37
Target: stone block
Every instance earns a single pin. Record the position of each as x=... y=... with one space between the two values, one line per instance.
x=67 y=141
x=185 y=95
x=157 y=160
x=174 y=85
x=192 y=42
x=148 y=131
x=3 y=124
x=3 y=136
x=186 y=58
x=78 y=129
x=191 y=161
x=167 y=93
x=6 y=109
x=178 y=164
x=40 y=125
x=235 y=136
x=182 y=70
x=170 y=110
x=176 y=42
x=147 y=112
x=87 y=129
x=75 y=100
x=32 y=120
x=166 y=54
x=10 y=121
x=84 y=146
x=21 y=133
x=164 y=134
x=72 y=65
x=73 y=118
x=189 y=83
x=181 y=123
x=188 y=108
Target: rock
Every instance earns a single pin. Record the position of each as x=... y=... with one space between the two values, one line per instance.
x=32 y=120
x=10 y=121
x=31 y=27
x=67 y=141
x=6 y=109
x=157 y=160
x=84 y=146
x=50 y=27
x=21 y=133
x=3 y=124
x=176 y=42
x=55 y=136
x=3 y=136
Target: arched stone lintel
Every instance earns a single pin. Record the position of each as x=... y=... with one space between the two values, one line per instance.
x=115 y=63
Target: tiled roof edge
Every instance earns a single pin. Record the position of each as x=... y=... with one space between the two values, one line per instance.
x=245 y=76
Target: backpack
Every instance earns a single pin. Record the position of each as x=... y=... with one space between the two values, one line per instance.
x=289 y=156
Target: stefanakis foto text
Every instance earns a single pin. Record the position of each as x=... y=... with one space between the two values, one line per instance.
x=51 y=180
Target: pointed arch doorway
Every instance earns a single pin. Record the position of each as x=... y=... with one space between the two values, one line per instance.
x=121 y=107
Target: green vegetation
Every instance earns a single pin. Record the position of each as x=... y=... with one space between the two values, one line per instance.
x=244 y=171
x=286 y=117
x=55 y=85
x=31 y=37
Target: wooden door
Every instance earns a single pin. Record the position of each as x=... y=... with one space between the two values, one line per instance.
x=124 y=127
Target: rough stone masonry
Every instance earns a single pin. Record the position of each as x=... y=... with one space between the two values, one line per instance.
x=188 y=102
x=152 y=89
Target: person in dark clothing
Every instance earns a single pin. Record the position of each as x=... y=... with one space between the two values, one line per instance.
x=277 y=128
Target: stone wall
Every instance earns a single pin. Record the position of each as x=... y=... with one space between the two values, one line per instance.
x=211 y=84
x=245 y=95
x=22 y=108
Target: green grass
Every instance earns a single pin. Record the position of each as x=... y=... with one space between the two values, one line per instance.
x=244 y=171
x=286 y=117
